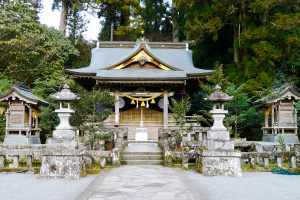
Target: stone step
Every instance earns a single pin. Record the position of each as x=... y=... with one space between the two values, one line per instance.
x=142 y=157
x=142 y=162
x=142 y=153
x=147 y=141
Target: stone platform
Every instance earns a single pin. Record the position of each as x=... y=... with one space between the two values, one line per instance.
x=62 y=163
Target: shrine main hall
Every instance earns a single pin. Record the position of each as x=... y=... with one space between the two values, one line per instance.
x=143 y=76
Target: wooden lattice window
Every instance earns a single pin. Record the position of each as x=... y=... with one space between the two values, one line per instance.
x=134 y=115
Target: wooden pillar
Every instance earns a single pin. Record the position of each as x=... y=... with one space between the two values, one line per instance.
x=165 y=110
x=117 y=109
x=141 y=123
x=30 y=117
x=295 y=120
x=36 y=120
x=7 y=121
x=266 y=121
x=272 y=121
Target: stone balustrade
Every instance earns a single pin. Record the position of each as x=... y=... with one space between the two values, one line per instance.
x=266 y=158
x=30 y=154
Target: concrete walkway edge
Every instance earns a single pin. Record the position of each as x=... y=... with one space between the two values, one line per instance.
x=88 y=190
x=194 y=193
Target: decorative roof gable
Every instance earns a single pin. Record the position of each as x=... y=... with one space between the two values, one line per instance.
x=142 y=56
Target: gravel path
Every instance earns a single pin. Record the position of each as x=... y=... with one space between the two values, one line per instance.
x=152 y=182
x=27 y=187
x=252 y=186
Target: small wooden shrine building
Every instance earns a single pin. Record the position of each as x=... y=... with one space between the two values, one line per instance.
x=143 y=76
x=22 y=126
x=281 y=115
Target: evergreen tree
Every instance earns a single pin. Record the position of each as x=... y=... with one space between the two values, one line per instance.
x=257 y=38
x=158 y=20
x=123 y=17
x=27 y=48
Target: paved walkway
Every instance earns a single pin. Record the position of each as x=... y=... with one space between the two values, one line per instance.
x=143 y=183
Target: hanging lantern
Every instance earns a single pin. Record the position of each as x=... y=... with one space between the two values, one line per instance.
x=152 y=101
x=132 y=101
x=143 y=103
x=147 y=104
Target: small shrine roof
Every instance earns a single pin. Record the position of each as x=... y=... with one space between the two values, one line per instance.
x=173 y=56
x=24 y=93
x=288 y=92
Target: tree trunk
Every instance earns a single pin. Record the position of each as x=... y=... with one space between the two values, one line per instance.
x=112 y=31
x=63 y=17
x=175 y=22
x=125 y=14
x=235 y=47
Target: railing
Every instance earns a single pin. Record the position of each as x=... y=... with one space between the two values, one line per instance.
x=266 y=158
x=18 y=126
x=276 y=124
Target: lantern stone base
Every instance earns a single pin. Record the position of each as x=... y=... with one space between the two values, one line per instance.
x=62 y=164
x=218 y=157
x=218 y=144
x=21 y=140
x=218 y=135
x=62 y=139
x=55 y=143
x=220 y=163
x=61 y=133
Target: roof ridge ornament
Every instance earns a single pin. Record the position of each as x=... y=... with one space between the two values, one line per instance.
x=142 y=39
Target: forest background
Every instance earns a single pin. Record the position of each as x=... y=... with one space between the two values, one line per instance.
x=252 y=44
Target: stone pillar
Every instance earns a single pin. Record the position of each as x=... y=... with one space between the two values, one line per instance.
x=2 y=161
x=29 y=160
x=117 y=109
x=168 y=159
x=116 y=159
x=88 y=162
x=166 y=110
x=15 y=163
x=279 y=162
x=102 y=163
x=185 y=162
x=293 y=162
x=266 y=163
x=252 y=163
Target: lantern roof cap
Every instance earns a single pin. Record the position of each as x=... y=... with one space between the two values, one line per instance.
x=218 y=96
x=64 y=95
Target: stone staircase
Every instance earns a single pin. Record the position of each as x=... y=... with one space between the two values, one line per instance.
x=142 y=153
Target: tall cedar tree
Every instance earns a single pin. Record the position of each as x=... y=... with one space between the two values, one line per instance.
x=261 y=37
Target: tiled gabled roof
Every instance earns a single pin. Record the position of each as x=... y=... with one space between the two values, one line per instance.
x=177 y=58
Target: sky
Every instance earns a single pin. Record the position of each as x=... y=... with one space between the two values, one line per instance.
x=51 y=19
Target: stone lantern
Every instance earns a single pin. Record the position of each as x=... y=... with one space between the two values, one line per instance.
x=217 y=154
x=218 y=113
x=63 y=158
x=64 y=134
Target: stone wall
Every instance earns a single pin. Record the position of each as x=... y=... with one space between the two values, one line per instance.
x=27 y=155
